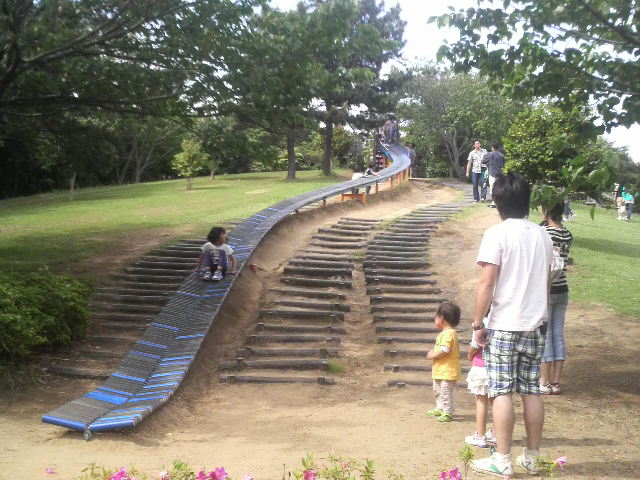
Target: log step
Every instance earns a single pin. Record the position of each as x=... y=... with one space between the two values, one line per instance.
x=318 y=271
x=295 y=364
x=383 y=310
x=309 y=293
x=314 y=305
x=395 y=272
x=405 y=353
x=330 y=315
x=288 y=352
x=316 y=282
x=321 y=263
x=399 y=280
x=404 y=263
x=403 y=299
x=271 y=379
x=415 y=290
x=405 y=329
x=403 y=383
x=255 y=339
x=319 y=329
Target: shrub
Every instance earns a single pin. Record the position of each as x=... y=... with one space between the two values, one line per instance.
x=40 y=310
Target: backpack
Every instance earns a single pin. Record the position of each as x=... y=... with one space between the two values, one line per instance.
x=557 y=265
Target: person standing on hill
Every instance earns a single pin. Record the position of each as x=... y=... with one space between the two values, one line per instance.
x=495 y=163
x=388 y=131
x=474 y=168
x=412 y=157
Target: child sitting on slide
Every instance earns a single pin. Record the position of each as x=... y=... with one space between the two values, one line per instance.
x=216 y=256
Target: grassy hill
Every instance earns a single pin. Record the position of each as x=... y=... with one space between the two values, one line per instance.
x=49 y=229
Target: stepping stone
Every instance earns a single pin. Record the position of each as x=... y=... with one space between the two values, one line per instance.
x=307 y=314
x=128 y=326
x=318 y=271
x=406 y=368
x=309 y=293
x=396 y=249
x=147 y=308
x=260 y=379
x=123 y=317
x=396 y=339
x=383 y=310
x=389 y=242
x=314 y=305
x=419 y=237
x=102 y=296
x=363 y=229
x=288 y=352
x=317 y=254
x=316 y=282
x=363 y=220
x=336 y=237
x=402 y=383
x=378 y=255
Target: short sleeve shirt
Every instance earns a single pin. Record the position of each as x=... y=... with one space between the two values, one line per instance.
x=216 y=249
x=448 y=366
x=476 y=157
x=523 y=251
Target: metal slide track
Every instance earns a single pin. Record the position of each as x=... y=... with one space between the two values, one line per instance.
x=152 y=371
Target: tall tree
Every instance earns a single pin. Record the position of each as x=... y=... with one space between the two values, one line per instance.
x=455 y=109
x=145 y=56
x=574 y=50
x=352 y=40
x=272 y=83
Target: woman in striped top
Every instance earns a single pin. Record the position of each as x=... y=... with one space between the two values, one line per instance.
x=554 y=348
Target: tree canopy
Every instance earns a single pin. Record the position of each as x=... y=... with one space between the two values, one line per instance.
x=574 y=50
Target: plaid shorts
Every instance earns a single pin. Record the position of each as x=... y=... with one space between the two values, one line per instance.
x=513 y=362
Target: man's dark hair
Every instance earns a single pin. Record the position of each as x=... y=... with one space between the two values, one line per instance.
x=450 y=312
x=214 y=234
x=555 y=212
x=511 y=194
x=495 y=146
x=412 y=145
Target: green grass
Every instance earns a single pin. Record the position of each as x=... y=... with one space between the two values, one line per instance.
x=50 y=229
x=606 y=254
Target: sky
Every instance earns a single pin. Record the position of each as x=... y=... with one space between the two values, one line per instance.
x=423 y=40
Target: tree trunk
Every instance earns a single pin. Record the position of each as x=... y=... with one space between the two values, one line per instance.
x=72 y=185
x=328 y=148
x=213 y=171
x=188 y=183
x=291 y=154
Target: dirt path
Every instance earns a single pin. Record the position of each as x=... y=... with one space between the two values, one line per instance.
x=258 y=428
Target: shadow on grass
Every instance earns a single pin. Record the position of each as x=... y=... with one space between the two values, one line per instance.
x=609 y=247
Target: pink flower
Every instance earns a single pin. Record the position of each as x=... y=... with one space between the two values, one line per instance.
x=201 y=475
x=560 y=462
x=50 y=471
x=455 y=474
x=221 y=474
x=247 y=477
x=164 y=475
x=443 y=476
x=119 y=475
x=309 y=475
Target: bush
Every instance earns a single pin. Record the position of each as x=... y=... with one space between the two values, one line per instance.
x=40 y=310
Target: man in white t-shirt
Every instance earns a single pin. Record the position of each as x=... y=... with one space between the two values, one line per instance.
x=515 y=257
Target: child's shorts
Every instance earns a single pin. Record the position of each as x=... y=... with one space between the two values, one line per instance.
x=478 y=381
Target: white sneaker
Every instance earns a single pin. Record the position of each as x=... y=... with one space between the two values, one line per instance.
x=497 y=465
x=546 y=389
x=527 y=461
x=490 y=437
x=476 y=440
x=217 y=276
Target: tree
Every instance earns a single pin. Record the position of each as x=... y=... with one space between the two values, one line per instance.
x=148 y=56
x=559 y=153
x=454 y=110
x=191 y=161
x=573 y=50
x=352 y=40
x=272 y=84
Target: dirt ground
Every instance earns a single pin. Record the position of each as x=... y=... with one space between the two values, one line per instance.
x=266 y=429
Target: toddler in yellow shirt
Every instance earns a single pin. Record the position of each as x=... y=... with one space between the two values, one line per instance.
x=446 y=361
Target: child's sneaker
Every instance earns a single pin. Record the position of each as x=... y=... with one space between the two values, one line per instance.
x=490 y=437
x=527 y=461
x=436 y=412
x=476 y=440
x=445 y=417
x=206 y=275
x=498 y=465
x=555 y=389
x=217 y=276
